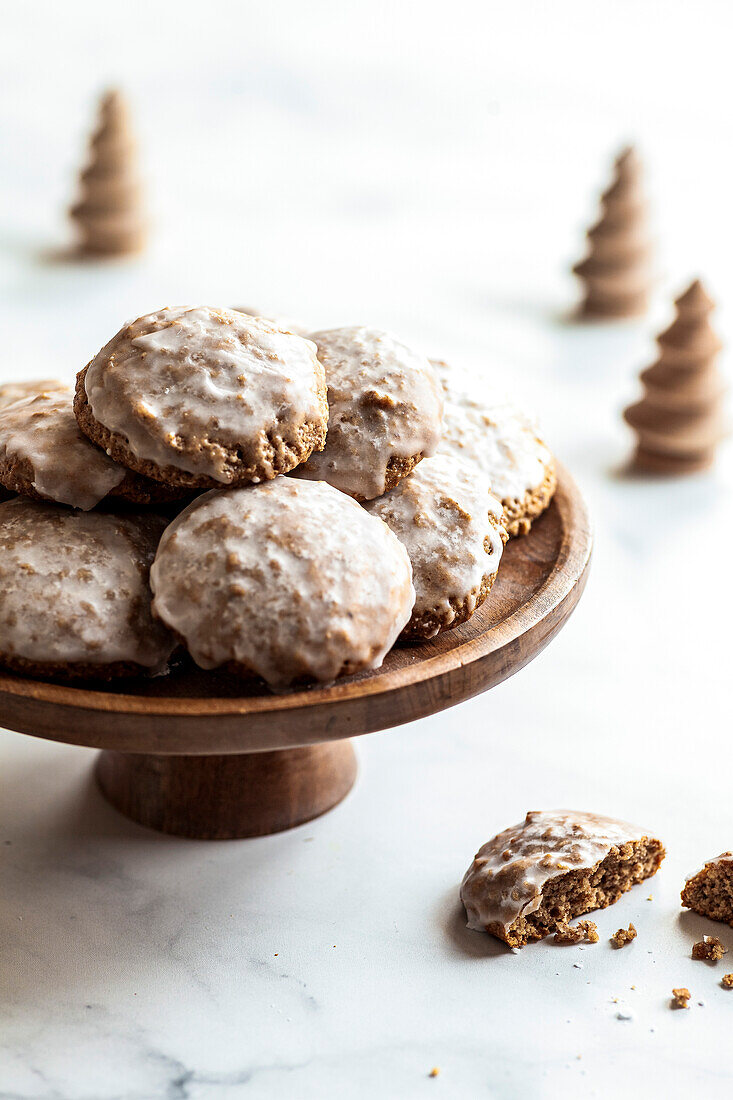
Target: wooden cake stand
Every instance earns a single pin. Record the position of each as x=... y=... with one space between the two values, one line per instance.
x=206 y=755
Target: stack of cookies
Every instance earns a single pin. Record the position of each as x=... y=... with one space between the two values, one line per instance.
x=149 y=512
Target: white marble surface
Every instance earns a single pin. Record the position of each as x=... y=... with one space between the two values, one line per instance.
x=428 y=169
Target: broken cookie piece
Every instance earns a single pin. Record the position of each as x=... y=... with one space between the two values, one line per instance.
x=576 y=933
x=534 y=878
x=727 y=982
x=710 y=949
x=680 y=997
x=710 y=891
x=624 y=936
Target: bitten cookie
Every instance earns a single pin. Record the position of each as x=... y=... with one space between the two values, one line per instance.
x=710 y=891
x=202 y=397
x=451 y=527
x=290 y=580
x=74 y=596
x=44 y=455
x=533 y=878
x=10 y=392
x=492 y=434
x=385 y=410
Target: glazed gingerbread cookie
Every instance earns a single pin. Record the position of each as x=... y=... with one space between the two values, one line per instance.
x=385 y=410
x=493 y=435
x=450 y=525
x=74 y=595
x=10 y=392
x=535 y=877
x=200 y=397
x=290 y=580
x=44 y=455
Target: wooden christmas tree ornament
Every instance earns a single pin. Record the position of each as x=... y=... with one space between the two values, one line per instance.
x=109 y=215
x=679 y=420
x=616 y=273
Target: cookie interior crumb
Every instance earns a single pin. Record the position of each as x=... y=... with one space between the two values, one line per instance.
x=577 y=892
x=680 y=997
x=624 y=936
x=709 y=948
x=710 y=891
x=727 y=981
x=583 y=930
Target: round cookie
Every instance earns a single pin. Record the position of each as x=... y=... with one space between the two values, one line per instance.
x=289 y=580
x=202 y=398
x=44 y=455
x=10 y=392
x=450 y=525
x=385 y=409
x=533 y=878
x=493 y=435
x=74 y=595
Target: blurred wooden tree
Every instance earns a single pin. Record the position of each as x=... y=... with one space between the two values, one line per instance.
x=679 y=420
x=109 y=215
x=616 y=273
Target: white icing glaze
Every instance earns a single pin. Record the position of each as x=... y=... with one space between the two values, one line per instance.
x=509 y=872
x=291 y=579
x=488 y=431
x=10 y=392
x=443 y=514
x=384 y=401
x=183 y=386
x=68 y=468
x=74 y=586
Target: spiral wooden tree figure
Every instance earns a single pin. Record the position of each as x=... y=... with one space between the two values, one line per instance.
x=616 y=273
x=109 y=214
x=679 y=420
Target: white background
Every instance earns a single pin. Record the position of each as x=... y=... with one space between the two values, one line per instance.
x=427 y=168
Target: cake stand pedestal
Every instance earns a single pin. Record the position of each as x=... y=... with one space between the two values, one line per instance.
x=211 y=756
x=219 y=797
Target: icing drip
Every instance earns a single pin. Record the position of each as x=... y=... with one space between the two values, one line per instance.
x=289 y=579
x=74 y=586
x=384 y=402
x=450 y=525
x=186 y=387
x=42 y=431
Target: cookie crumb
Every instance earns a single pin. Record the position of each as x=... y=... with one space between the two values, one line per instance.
x=583 y=930
x=709 y=948
x=727 y=982
x=624 y=936
x=680 y=997
x=434 y=1072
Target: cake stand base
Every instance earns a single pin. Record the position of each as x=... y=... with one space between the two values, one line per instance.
x=211 y=755
x=227 y=797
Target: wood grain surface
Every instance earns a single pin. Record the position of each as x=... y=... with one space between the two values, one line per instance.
x=228 y=797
